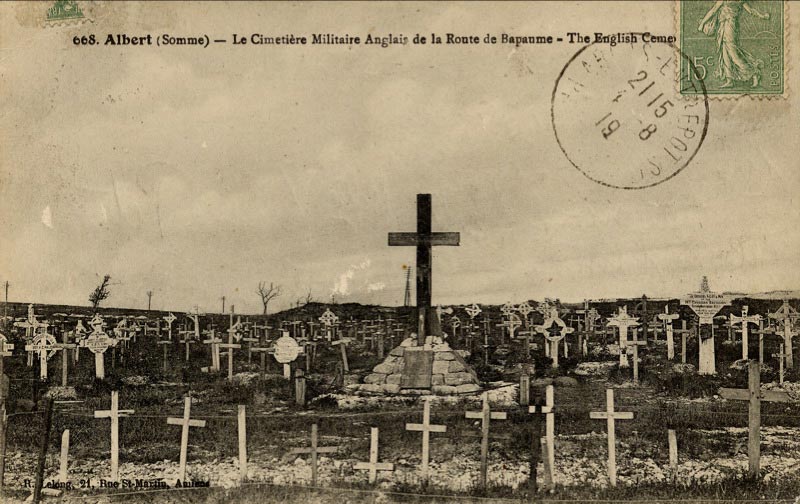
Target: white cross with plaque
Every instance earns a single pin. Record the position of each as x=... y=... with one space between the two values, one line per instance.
x=623 y=321
x=98 y=342
x=554 y=330
x=286 y=351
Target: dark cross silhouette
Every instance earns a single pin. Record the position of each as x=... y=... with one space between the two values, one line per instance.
x=424 y=240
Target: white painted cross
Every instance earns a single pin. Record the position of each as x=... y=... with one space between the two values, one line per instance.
x=473 y=311
x=787 y=316
x=214 y=343
x=286 y=350
x=611 y=417
x=32 y=328
x=744 y=320
x=485 y=415
x=98 y=342
x=114 y=413
x=170 y=319
x=668 y=318
x=373 y=466
x=623 y=321
x=45 y=345
x=230 y=346
x=426 y=428
x=755 y=396
x=185 y=423
x=554 y=330
x=512 y=323
x=328 y=319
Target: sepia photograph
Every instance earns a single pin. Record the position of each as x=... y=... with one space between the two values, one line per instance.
x=419 y=252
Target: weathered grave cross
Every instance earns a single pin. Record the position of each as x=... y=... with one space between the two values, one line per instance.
x=45 y=345
x=373 y=466
x=185 y=423
x=547 y=410
x=98 y=342
x=426 y=428
x=668 y=318
x=611 y=416
x=114 y=413
x=781 y=355
x=554 y=330
x=744 y=320
x=424 y=240
x=342 y=344
x=314 y=450
x=623 y=321
x=755 y=396
x=787 y=316
x=485 y=415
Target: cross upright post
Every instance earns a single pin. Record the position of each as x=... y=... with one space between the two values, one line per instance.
x=485 y=415
x=114 y=414
x=185 y=423
x=426 y=428
x=611 y=417
x=424 y=240
x=373 y=466
x=314 y=451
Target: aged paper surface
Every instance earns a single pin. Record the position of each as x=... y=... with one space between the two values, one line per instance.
x=196 y=196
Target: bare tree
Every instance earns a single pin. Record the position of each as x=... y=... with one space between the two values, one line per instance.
x=268 y=293
x=100 y=292
x=309 y=298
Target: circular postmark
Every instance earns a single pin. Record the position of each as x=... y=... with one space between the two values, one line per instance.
x=618 y=118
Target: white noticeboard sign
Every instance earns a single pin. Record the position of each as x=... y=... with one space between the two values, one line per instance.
x=705 y=304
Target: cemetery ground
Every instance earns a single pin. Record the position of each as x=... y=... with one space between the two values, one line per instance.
x=711 y=432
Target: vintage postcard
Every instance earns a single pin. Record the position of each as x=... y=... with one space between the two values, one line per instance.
x=377 y=252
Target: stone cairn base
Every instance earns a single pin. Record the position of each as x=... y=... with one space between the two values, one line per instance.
x=451 y=374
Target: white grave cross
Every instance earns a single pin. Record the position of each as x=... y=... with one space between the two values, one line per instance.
x=668 y=318
x=114 y=413
x=623 y=321
x=98 y=342
x=611 y=417
x=554 y=330
x=744 y=320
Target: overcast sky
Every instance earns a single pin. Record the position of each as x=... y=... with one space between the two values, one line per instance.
x=196 y=173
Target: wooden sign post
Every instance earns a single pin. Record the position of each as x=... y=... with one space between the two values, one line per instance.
x=755 y=396
x=114 y=414
x=426 y=428
x=424 y=240
x=744 y=320
x=373 y=466
x=314 y=451
x=611 y=417
x=185 y=423
x=546 y=409
x=622 y=321
x=242 y=432
x=668 y=318
x=485 y=416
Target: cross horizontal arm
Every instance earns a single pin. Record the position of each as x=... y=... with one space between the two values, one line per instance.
x=413 y=239
x=423 y=427
x=734 y=394
x=618 y=415
x=379 y=466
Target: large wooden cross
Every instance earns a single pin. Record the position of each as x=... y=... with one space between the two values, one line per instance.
x=546 y=409
x=114 y=413
x=787 y=316
x=424 y=240
x=623 y=321
x=755 y=396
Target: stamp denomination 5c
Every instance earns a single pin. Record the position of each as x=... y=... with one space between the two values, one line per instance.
x=737 y=46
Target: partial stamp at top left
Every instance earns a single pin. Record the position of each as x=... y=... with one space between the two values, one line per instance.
x=736 y=47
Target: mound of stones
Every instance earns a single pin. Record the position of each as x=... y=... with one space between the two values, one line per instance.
x=450 y=373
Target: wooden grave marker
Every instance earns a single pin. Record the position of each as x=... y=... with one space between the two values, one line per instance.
x=230 y=346
x=286 y=351
x=787 y=316
x=426 y=428
x=485 y=415
x=373 y=466
x=744 y=320
x=782 y=356
x=5 y=351
x=546 y=409
x=114 y=414
x=185 y=422
x=98 y=342
x=611 y=417
x=706 y=304
x=554 y=330
x=63 y=466
x=213 y=342
x=342 y=344
x=755 y=396
x=668 y=318
x=314 y=451
x=622 y=321
x=636 y=343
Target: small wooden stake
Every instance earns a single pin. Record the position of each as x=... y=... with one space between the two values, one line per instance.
x=673 y=453
x=48 y=423
x=62 y=468
x=524 y=389
x=3 y=427
x=242 y=443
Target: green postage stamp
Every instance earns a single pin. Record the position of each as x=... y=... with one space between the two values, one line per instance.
x=735 y=46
